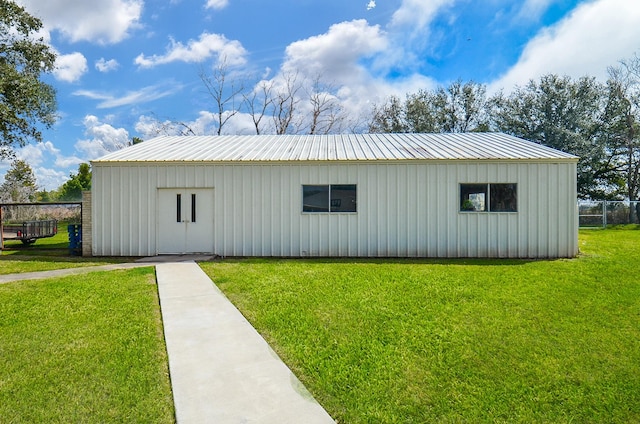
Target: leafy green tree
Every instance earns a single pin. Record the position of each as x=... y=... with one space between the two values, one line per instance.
x=616 y=134
x=389 y=117
x=598 y=122
x=77 y=183
x=459 y=107
x=565 y=114
x=621 y=127
x=26 y=102
x=420 y=115
x=556 y=111
x=19 y=184
x=43 y=196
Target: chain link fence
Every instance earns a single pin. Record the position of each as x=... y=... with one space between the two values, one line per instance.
x=16 y=213
x=608 y=212
x=25 y=223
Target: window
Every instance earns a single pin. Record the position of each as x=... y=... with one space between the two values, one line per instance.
x=179 y=208
x=489 y=197
x=193 y=208
x=329 y=198
x=473 y=197
x=503 y=198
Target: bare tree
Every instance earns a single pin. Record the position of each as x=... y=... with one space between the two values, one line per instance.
x=19 y=183
x=389 y=117
x=223 y=91
x=168 y=127
x=621 y=121
x=285 y=103
x=258 y=102
x=327 y=114
x=284 y=97
x=183 y=128
x=357 y=124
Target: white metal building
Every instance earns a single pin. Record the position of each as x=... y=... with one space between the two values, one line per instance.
x=365 y=195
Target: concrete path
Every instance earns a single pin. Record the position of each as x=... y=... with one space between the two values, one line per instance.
x=222 y=370
x=142 y=262
x=7 y=278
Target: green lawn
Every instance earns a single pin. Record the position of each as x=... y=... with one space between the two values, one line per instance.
x=384 y=341
x=57 y=245
x=84 y=349
x=415 y=341
x=19 y=264
x=45 y=254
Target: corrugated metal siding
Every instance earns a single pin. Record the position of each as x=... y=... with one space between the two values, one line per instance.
x=405 y=209
x=355 y=147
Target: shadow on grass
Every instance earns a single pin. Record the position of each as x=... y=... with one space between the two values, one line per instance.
x=57 y=246
x=390 y=260
x=51 y=250
x=56 y=249
x=624 y=227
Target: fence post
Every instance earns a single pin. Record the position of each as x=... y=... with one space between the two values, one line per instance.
x=87 y=238
x=1 y=231
x=604 y=214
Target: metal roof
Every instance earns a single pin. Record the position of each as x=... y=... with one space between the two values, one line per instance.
x=350 y=147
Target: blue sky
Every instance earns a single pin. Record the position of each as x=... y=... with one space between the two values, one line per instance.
x=127 y=67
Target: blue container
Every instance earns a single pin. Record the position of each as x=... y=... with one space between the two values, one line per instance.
x=75 y=239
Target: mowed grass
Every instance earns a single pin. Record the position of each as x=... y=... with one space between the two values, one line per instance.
x=418 y=341
x=56 y=245
x=83 y=349
x=22 y=264
x=44 y=255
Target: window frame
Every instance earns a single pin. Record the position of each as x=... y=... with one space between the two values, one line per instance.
x=331 y=202
x=466 y=189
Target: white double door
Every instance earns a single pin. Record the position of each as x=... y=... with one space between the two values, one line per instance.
x=185 y=221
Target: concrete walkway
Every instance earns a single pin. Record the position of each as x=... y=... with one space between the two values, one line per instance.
x=142 y=262
x=222 y=370
x=40 y=275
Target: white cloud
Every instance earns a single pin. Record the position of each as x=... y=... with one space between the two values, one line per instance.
x=146 y=94
x=102 y=21
x=336 y=55
x=242 y=123
x=533 y=9
x=196 y=51
x=418 y=14
x=34 y=154
x=104 y=65
x=92 y=95
x=70 y=67
x=49 y=178
x=205 y=124
x=411 y=35
x=40 y=155
x=371 y=5
x=149 y=127
x=217 y=4
x=337 y=58
x=594 y=36
x=101 y=138
x=68 y=161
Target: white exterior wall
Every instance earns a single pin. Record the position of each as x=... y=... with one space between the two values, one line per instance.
x=405 y=209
